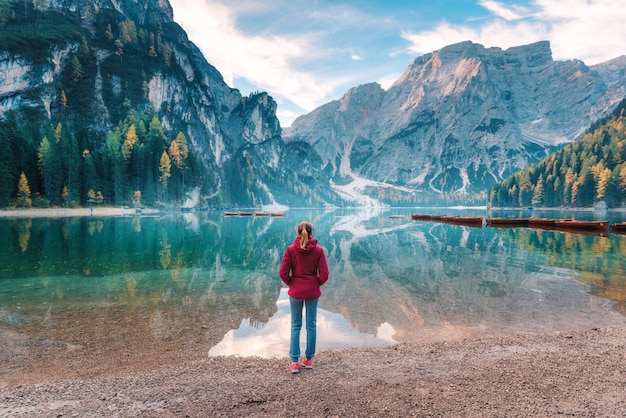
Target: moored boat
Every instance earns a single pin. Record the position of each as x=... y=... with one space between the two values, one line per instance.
x=457 y=220
x=618 y=228
x=238 y=213
x=507 y=222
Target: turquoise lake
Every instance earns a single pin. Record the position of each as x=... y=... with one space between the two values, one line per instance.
x=208 y=284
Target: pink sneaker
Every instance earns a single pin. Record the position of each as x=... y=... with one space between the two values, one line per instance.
x=295 y=368
x=307 y=364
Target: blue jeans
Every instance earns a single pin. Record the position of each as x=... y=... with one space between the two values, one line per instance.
x=296 y=325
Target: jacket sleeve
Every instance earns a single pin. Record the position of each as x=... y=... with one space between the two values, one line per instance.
x=322 y=268
x=285 y=268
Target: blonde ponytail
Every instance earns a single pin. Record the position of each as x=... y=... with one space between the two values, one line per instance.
x=304 y=231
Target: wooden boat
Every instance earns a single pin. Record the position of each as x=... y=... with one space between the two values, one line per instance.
x=237 y=213
x=573 y=224
x=618 y=228
x=457 y=220
x=507 y=222
x=277 y=214
x=544 y=223
x=261 y=214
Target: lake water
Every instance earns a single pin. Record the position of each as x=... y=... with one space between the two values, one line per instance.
x=207 y=283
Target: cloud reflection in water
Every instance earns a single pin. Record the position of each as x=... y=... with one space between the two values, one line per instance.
x=272 y=339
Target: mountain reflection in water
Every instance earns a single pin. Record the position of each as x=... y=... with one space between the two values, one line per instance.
x=272 y=338
x=152 y=286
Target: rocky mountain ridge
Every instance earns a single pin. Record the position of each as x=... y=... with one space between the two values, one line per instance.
x=461 y=118
x=133 y=55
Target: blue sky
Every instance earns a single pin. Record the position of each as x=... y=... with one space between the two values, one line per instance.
x=307 y=53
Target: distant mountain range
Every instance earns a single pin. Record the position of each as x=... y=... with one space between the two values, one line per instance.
x=460 y=119
x=103 y=79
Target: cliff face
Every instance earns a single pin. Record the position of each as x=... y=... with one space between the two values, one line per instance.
x=461 y=118
x=132 y=54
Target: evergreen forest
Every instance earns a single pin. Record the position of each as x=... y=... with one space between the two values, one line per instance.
x=581 y=174
x=74 y=153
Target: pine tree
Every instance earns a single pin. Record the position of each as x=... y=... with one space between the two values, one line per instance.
x=137 y=198
x=165 y=168
x=7 y=173
x=602 y=183
x=50 y=168
x=178 y=151
x=63 y=100
x=6 y=12
x=538 y=193
x=23 y=192
x=91 y=197
x=129 y=142
x=114 y=168
x=622 y=180
x=90 y=176
x=77 y=70
x=65 y=196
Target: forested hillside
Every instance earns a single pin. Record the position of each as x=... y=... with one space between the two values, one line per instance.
x=108 y=102
x=583 y=173
x=63 y=157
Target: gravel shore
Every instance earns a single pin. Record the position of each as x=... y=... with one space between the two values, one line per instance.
x=579 y=373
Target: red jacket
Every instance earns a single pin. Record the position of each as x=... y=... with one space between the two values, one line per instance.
x=304 y=270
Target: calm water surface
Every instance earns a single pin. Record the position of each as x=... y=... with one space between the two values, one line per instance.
x=210 y=283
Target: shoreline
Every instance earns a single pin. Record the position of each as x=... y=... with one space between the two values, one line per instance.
x=99 y=211
x=110 y=211
x=577 y=373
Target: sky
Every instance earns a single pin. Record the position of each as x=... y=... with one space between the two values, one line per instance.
x=305 y=53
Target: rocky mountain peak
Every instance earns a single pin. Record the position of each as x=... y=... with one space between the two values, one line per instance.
x=106 y=62
x=145 y=12
x=461 y=118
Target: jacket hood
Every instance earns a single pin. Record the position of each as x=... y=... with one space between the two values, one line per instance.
x=309 y=245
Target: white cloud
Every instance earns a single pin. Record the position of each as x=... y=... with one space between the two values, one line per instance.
x=592 y=31
x=495 y=33
x=263 y=60
x=305 y=54
x=388 y=80
x=507 y=13
x=287 y=116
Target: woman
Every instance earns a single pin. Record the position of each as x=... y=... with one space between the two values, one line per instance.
x=304 y=270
